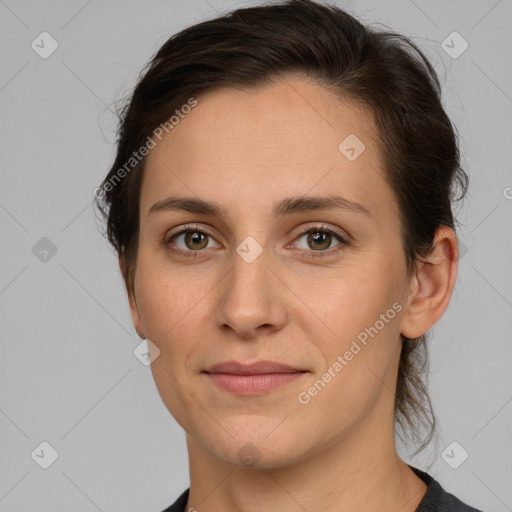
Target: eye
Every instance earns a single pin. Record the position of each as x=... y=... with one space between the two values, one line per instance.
x=319 y=240
x=190 y=241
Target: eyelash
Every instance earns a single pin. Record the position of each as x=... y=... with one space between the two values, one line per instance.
x=313 y=229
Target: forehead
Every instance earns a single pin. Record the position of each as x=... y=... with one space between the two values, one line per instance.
x=276 y=141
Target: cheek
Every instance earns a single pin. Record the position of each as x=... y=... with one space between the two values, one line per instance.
x=362 y=345
x=359 y=360
x=172 y=305
x=159 y=300
x=347 y=304
x=169 y=318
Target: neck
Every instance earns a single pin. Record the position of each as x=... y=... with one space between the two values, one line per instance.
x=361 y=471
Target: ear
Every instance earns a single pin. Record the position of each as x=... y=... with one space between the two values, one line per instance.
x=432 y=285
x=134 y=312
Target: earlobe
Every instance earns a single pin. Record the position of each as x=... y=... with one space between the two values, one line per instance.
x=134 y=311
x=432 y=285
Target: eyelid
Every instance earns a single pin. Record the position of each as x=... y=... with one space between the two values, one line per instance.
x=188 y=228
x=322 y=226
x=344 y=238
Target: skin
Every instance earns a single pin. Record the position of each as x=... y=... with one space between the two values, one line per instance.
x=247 y=150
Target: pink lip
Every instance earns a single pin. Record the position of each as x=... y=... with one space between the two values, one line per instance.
x=252 y=379
x=236 y=368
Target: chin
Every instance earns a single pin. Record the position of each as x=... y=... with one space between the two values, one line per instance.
x=256 y=448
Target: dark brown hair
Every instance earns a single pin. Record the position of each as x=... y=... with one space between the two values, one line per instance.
x=379 y=70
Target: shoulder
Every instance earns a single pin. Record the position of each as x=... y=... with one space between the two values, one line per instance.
x=180 y=504
x=436 y=499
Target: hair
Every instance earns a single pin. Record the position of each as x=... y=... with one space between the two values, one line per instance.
x=380 y=71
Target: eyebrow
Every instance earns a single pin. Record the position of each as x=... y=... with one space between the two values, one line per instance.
x=287 y=206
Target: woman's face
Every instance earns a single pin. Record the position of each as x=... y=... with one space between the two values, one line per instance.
x=250 y=286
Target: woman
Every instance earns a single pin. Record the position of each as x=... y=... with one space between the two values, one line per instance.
x=281 y=207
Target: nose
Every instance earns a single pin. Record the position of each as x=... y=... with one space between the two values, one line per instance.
x=251 y=298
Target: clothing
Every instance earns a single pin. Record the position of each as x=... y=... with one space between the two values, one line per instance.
x=435 y=499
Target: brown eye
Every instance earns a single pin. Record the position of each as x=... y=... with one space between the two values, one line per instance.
x=196 y=240
x=319 y=240
x=190 y=241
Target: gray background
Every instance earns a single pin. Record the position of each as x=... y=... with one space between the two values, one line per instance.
x=68 y=373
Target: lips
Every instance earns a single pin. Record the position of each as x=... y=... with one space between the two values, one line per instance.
x=252 y=379
x=258 y=368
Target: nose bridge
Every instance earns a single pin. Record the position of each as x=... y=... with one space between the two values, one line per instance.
x=248 y=296
x=249 y=275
